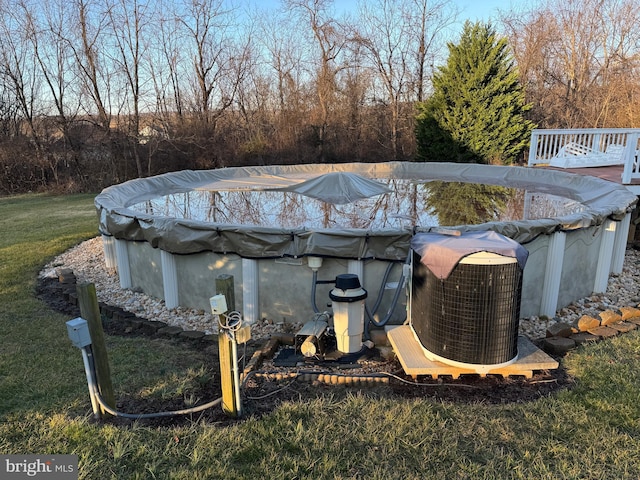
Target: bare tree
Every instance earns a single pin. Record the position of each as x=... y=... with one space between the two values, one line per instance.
x=331 y=41
x=578 y=59
x=400 y=38
x=283 y=63
x=165 y=64
x=218 y=62
x=128 y=20
x=19 y=76
x=87 y=44
x=428 y=21
x=18 y=67
x=48 y=26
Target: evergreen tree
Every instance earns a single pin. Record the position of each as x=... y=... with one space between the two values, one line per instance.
x=476 y=113
x=457 y=203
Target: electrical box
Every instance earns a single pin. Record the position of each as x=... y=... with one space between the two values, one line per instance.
x=218 y=304
x=243 y=334
x=78 y=330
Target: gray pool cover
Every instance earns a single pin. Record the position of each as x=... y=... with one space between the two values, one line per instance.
x=603 y=200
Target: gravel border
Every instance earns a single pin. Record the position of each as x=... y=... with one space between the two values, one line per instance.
x=86 y=260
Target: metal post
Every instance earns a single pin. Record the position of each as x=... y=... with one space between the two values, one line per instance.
x=110 y=257
x=552 y=274
x=604 y=257
x=620 y=244
x=250 y=290
x=169 y=279
x=124 y=270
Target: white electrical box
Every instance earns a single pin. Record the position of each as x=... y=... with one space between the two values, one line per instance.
x=218 y=304
x=78 y=330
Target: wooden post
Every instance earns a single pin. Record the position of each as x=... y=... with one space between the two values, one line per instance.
x=90 y=311
x=227 y=381
x=224 y=285
x=227 y=350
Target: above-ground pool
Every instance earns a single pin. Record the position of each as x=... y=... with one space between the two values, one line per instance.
x=283 y=232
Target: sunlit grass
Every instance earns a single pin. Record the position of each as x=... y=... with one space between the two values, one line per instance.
x=591 y=431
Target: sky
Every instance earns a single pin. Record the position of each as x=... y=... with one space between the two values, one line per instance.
x=473 y=10
x=470 y=9
x=481 y=9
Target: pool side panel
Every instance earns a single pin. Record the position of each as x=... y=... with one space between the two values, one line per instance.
x=146 y=269
x=197 y=275
x=579 y=266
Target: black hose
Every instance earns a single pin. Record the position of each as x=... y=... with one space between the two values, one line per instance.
x=394 y=301
x=383 y=284
x=314 y=282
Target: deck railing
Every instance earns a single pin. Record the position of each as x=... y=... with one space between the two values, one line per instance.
x=549 y=144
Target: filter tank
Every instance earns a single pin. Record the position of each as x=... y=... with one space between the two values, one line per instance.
x=347 y=301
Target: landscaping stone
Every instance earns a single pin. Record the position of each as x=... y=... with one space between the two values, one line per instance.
x=608 y=317
x=558 y=345
x=86 y=261
x=211 y=337
x=584 y=337
x=624 y=327
x=586 y=322
x=170 y=331
x=150 y=327
x=629 y=312
x=560 y=329
x=66 y=275
x=135 y=323
x=604 y=332
x=634 y=320
x=192 y=334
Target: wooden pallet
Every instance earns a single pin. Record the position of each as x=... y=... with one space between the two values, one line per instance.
x=414 y=361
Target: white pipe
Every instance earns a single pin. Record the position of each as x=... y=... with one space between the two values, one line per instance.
x=124 y=269
x=620 y=244
x=552 y=274
x=607 y=240
x=169 y=279
x=250 y=290
x=236 y=374
x=356 y=267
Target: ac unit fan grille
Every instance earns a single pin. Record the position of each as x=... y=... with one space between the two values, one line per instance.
x=470 y=317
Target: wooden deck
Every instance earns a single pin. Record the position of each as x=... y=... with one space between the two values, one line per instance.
x=590 y=147
x=612 y=174
x=414 y=361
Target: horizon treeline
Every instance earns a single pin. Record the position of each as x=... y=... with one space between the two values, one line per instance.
x=96 y=92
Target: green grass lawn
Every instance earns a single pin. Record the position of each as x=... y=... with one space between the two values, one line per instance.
x=589 y=432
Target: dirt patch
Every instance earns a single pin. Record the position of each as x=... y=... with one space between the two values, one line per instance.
x=262 y=394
